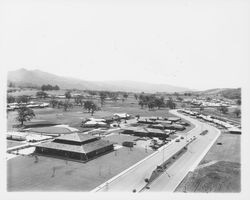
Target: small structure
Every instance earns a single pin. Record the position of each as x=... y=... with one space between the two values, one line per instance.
x=173 y=119
x=75 y=146
x=122 y=115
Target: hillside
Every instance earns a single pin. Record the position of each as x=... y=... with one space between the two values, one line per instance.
x=230 y=93
x=23 y=77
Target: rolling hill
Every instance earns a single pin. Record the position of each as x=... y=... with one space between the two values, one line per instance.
x=24 y=77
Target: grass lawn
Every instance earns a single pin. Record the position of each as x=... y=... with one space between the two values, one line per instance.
x=11 y=143
x=51 y=174
x=219 y=171
x=220 y=177
x=119 y=139
x=230 y=150
x=74 y=117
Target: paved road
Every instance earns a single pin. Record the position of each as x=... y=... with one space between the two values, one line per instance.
x=133 y=178
x=188 y=161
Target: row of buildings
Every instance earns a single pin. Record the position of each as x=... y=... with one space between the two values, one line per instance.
x=231 y=128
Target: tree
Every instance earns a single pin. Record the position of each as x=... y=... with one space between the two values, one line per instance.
x=90 y=106
x=23 y=99
x=180 y=99
x=11 y=84
x=67 y=105
x=56 y=87
x=79 y=100
x=159 y=102
x=141 y=103
x=170 y=103
x=103 y=96
x=223 y=109
x=125 y=95
x=67 y=95
x=41 y=94
x=208 y=99
x=25 y=114
x=238 y=101
x=53 y=103
x=151 y=105
x=237 y=112
x=10 y=99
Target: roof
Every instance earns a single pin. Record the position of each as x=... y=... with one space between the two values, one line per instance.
x=121 y=115
x=153 y=130
x=86 y=148
x=76 y=137
x=89 y=147
x=135 y=129
x=174 y=118
x=64 y=147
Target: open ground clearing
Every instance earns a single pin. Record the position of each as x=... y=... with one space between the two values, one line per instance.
x=219 y=177
x=219 y=171
x=51 y=174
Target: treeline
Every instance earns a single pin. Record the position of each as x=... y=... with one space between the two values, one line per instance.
x=19 y=99
x=151 y=101
x=49 y=87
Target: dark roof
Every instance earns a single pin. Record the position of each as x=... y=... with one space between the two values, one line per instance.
x=77 y=137
x=60 y=146
x=86 y=148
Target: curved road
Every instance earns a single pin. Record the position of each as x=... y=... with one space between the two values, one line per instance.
x=133 y=178
x=188 y=161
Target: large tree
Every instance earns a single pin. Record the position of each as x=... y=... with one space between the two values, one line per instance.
x=170 y=103
x=10 y=99
x=41 y=94
x=23 y=99
x=90 y=106
x=68 y=95
x=223 y=109
x=159 y=102
x=79 y=100
x=24 y=114
x=103 y=96
x=237 y=112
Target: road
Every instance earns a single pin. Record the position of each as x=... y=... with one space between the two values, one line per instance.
x=188 y=161
x=134 y=177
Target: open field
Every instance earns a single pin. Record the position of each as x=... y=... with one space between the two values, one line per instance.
x=228 y=151
x=219 y=177
x=13 y=143
x=51 y=174
x=74 y=117
x=219 y=171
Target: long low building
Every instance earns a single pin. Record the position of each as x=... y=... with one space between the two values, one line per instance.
x=146 y=132
x=76 y=146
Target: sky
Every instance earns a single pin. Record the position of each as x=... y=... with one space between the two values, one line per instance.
x=194 y=44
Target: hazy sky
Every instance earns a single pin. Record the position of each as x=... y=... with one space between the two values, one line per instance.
x=195 y=44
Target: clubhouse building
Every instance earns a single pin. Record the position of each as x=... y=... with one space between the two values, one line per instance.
x=76 y=146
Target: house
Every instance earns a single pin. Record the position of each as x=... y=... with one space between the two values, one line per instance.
x=77 y=146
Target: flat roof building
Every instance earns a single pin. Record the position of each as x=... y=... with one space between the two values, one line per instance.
x=77 y=146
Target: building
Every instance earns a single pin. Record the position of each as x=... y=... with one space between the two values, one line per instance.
x=145 y=132
x=75 y=146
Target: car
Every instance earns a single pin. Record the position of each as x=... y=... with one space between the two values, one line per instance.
x=182 y=137
x=177 y=140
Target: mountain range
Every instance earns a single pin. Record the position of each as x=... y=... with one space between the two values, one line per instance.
x=24 y=77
